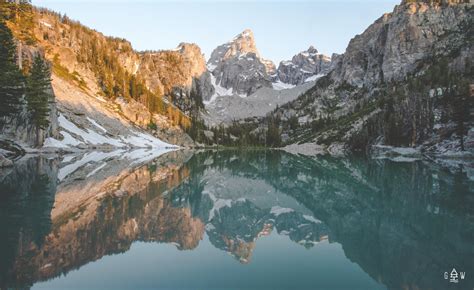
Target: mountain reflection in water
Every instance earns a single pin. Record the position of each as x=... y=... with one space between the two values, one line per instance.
x=403 y=224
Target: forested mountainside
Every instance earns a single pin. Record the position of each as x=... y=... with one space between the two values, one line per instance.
x=101 y=85
x=27 y=107
x=407 y=81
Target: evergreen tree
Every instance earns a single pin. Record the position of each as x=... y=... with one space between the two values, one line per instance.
x=11 y=79
x=461 y=105
x=273 y=137
x=37 y=95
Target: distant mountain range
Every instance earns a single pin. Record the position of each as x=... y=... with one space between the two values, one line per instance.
x=402 y=82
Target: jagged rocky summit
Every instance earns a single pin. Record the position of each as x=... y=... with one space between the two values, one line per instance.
x=237 y=67
x=399 y=83
x=303 y=67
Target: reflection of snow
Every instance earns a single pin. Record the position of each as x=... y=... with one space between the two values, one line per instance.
x=218 y=203
x=88 y=157
x=311 y=219
x=143 y=155
x=134 y=157
x=277 y=210
x=68 y=158
x=97 y=169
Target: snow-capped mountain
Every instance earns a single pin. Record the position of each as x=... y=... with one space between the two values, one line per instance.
x=237 y=67
x=247 y=85
x=303 y=67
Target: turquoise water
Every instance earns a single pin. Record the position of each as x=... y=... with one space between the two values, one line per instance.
x=234 y=220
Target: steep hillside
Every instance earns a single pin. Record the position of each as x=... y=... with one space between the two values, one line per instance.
x=180 y=74
x=25 y=89
x=405 y=81
x=98 y=78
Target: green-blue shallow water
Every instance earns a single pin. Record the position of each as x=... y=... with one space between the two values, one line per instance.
x=234 y=220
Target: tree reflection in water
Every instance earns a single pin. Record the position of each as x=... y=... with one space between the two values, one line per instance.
x=403 y=223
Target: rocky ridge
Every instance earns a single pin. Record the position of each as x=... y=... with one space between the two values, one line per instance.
x=180 y=74
x=303 y=66
x=248 y=86
x=238 y=67
x=87 y=117
x=393 y=85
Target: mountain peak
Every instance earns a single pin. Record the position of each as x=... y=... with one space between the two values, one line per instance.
x=312 y=49
x=303 y=67
x=247 y=33
x=244 y=43
x=237 y=65
x=241 y=44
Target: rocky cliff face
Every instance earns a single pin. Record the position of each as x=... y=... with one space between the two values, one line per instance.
x=179 y=74
x=87 y=89
x=238 y=68
x=399 y=83
x=399 y=43
x=302 y=66
x=241 y=44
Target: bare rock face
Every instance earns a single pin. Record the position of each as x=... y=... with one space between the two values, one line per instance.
x=302 y=66
x=237 y=65
x=396 y=44
x=180 y=74
x=166 y=69
x=241 y=44
x=269 y=66
x=245 y=74
x=390 y=85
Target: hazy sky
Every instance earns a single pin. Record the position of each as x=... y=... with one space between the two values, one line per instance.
x=281 y=28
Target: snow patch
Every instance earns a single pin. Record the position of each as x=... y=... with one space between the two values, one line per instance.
x=279 y=85
x=91 y=137
x=313 y=78
x=312 y=219
x=218 y=91
x=46 y=24
x=277 y=210
x=93 y=122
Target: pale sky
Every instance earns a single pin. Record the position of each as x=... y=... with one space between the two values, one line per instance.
x=282 y=28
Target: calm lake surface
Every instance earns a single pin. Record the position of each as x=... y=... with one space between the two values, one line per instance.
x=233 y=220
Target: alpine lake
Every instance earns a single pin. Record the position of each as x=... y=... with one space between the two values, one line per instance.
x=234 y=219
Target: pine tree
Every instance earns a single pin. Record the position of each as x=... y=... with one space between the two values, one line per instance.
x=11 y=79
x=273 y=137
x=461 y=104
x=37 y=95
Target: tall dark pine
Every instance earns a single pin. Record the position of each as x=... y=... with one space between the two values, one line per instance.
x=11 y=79
x=37 y=94
x=461 y=104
